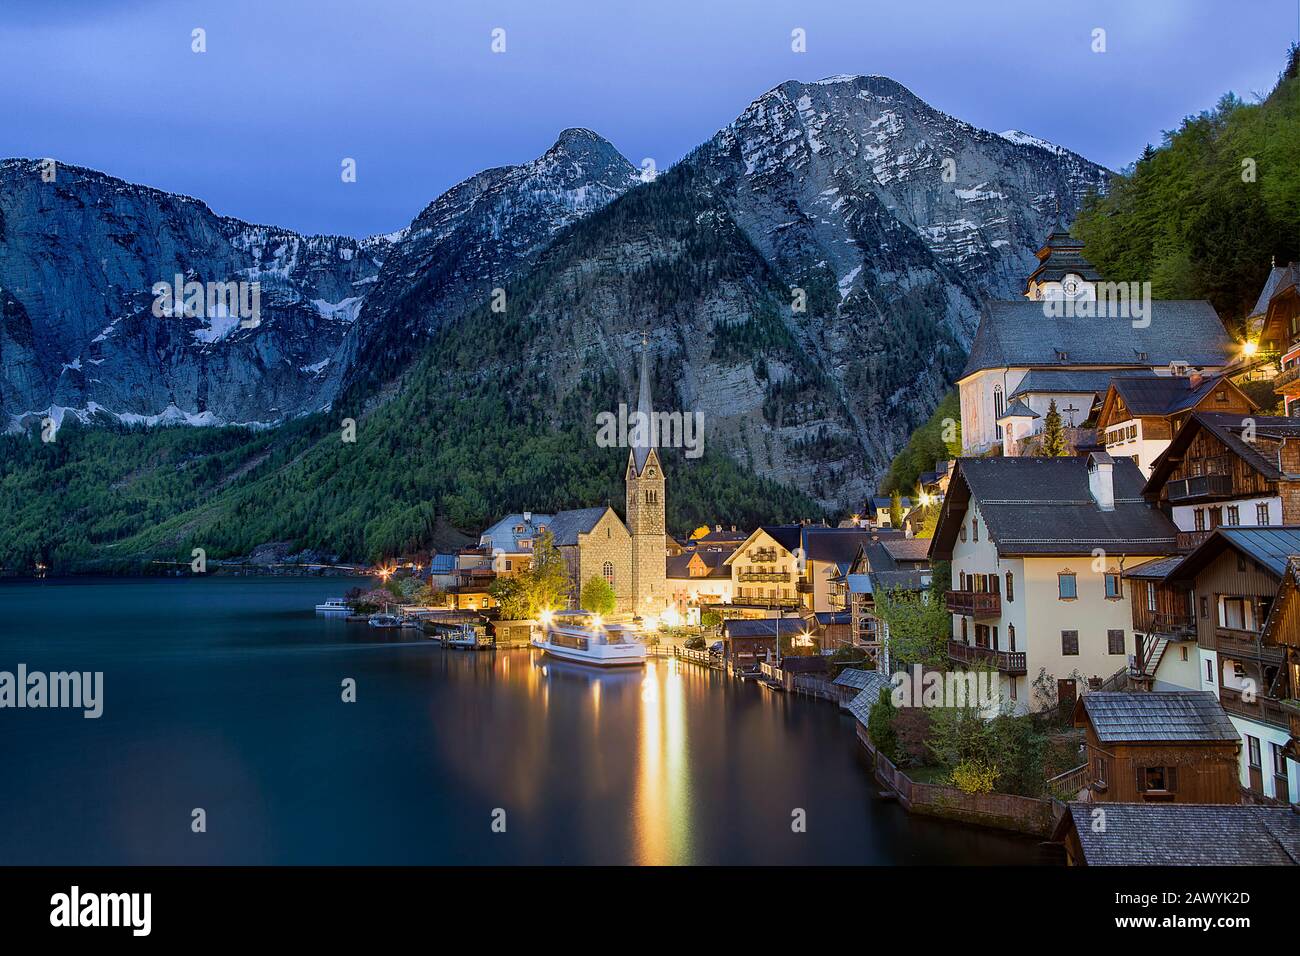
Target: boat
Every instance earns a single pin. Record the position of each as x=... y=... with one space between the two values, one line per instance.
x=334 y=606
x=385 y=620
x=582 y=637
x=467 y=637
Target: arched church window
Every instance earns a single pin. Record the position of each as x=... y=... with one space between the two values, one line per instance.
x=608 y=571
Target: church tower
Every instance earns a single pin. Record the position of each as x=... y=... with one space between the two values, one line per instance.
x=645 y=504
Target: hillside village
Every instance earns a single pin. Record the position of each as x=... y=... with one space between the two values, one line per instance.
x=1116 y=551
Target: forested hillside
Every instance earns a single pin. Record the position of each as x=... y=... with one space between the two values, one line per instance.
x=1203 y=215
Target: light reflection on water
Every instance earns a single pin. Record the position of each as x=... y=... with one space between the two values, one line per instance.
x=224 y=693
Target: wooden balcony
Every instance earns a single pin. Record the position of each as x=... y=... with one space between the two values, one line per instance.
x=1287 y=377
x=1199 y=487
x=766 y=602
x=1246 y=644
x=975 y=603
x=1176 y=624
x=803 y=587
x=1190 y=540
x=1006 y=662
x=1266 y=710
x=772 y=577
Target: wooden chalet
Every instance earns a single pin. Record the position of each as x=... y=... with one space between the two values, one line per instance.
x=1236 y=576
x=1171 y=747
x=1140 y=413
x=1164 y=622
x=1280 y=333
x=1225 y=469
x=1282 y=628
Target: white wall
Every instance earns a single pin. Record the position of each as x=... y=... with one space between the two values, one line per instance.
x=1184 y=515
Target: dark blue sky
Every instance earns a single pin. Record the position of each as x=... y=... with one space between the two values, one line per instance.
x=258 y=125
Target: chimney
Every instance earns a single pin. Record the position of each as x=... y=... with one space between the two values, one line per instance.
x=1194 y=380
x=1101 y=483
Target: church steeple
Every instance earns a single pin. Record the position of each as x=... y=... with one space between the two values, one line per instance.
x=646 y=501
x=645 y=440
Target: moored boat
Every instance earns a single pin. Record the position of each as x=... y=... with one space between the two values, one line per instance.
x=584 y=638
x=385 y=620
x=334 y=606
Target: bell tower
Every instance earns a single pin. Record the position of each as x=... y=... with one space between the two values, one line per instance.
x=645 y=502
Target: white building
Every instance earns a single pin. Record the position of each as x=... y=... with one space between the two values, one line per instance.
x=1028 y=351
x=1038 y=546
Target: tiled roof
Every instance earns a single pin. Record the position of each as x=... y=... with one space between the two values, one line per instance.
x=1069 y=381
x=1279 y=278
x=914 y=580
x=503 y=537
x=853 y=677
x=826 y=618
x=764 y=627
x=787 y=536
x=838 y=546
x=678 y=565
x=1137 y=716
x=442 y=564
x=567 y=525
x=1270 y=546
x=1020 y=333
x=884 y=502
x=1188 y=834
x=1228 y=429
x=1162 y=394
x=907 y=549
x=859 y=583
x=860 y=706
x=1155 y=570
x=1044 y=506
x=1018 y=409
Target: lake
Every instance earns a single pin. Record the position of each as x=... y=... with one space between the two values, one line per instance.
x=225 y=694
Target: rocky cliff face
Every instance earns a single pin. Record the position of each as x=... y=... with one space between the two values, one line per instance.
x=809 y=279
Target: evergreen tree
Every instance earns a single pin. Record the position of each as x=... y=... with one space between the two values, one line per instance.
x=895 y=509
x=1053 y=442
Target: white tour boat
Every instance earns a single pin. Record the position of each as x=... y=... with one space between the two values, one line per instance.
x=334 y=606
x=385 y=620
x=582 y=637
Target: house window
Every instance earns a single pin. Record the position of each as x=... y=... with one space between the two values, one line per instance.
x=1066 y=587
x=961 y=533
x=1236 y=614
x=1012 y=682
x=1280 y=786
x=1252 y=750
x=1151 y=595
x=1157 y=779
x=608 y=571
x=1261 y=513
x=1205 y=606
x=1011 y=644
x=974 y=528
x=999 y=406
x=1199 y=516
x=1209 y=670
x=1070 y=643
x=964 y=638
x=1011 y=593
x=1113 y=591
x=508 y=564
x=1115 y=642
x=1234 y=515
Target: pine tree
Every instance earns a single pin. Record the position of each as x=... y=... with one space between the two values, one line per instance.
x=895 y=509
x=1053 y=445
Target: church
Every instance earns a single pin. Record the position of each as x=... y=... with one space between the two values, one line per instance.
x=1027 y=355
x=595 y=542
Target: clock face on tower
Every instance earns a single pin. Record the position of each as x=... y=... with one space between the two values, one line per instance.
x=1072 y=286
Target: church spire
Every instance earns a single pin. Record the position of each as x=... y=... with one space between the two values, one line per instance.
x=641 y=448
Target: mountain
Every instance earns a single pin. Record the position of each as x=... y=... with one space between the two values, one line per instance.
x=808 y=280
x=79 y=258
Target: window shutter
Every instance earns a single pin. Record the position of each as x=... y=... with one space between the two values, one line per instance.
x=1171 y=779
x=1141 y=779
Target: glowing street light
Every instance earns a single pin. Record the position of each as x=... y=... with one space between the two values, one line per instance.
x=1249 y=348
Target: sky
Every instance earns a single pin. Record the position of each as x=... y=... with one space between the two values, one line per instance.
x=259 y=124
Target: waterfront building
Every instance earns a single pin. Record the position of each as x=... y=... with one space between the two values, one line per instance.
x=1038 y=547
x=765 y=569
x=1141 y=413
x=1171 y=747
x=1228 y=470
x=696 y=580
x=1027 y=351
x=885 y=563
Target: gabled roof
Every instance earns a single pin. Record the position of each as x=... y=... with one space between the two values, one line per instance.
x=1019 y=333
x=1269 y=546
x=1185 y=834
x=1167 y=716
x=764 y=627
x=838 y=546
x=1156 y=570
x=916 y=579
x=788 y=536
x=1043 y=506
x=503 y=537
x=1071 y=381
x=1018 y=409
x=860 y=706
x=1280 y=277
x=1168 y=394
x=679 y=565
x=1228 y=429
x=884 y=502
x=442 y=563
x=906 y=549
x=567 y=525
x=858 y=677
x=859 y=583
